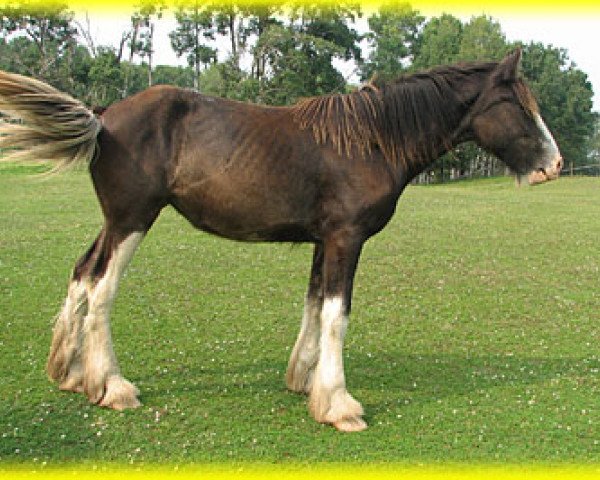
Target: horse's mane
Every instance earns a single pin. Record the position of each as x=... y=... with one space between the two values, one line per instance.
x=408 y=118
x=526 y=98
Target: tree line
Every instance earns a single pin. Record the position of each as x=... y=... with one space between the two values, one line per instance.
x=277 y=53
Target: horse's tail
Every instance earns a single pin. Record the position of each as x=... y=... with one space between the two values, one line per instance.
x=44 y=124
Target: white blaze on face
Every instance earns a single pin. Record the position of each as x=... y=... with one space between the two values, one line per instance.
x=551 y=146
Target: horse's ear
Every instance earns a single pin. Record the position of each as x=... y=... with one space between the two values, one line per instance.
x=508 y=69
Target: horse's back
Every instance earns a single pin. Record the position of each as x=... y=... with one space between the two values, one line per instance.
x=240 y=170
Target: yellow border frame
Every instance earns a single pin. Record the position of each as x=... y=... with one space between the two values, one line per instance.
x=426 y=7
x=275 y=472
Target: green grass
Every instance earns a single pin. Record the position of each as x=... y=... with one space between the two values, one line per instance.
x=473 y=339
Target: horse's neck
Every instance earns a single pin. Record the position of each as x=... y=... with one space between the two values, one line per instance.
x=456 y=131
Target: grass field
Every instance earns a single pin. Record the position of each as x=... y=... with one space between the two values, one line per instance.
x=473 y=339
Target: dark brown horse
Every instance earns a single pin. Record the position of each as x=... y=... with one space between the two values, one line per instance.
x=328 y=171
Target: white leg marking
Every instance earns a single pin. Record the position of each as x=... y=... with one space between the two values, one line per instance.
x=304 y=357
x=102 y=380
x=329 y=400
x=64 y=361
x=332 y=341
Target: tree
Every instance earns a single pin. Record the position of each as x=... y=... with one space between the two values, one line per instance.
x=169 y=75
x=393 y=39
x=19 y=55
x=439 y=42
x=297 y=57
x=142 y=38
x=106 y=78
x=228 y=80
x=229 y=22
x=46 y=23
x=297 y=65
x=482 y=39
x=194 y=26
x=40 y=42
x=260 y=17
x=331 y=23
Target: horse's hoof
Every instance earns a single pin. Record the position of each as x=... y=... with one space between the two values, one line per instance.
x=73 y=380
x=354 y=424
x=339 y=409
x=71 y=385
x=119 y=394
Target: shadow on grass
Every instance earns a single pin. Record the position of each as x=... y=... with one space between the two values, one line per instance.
x=424 y=379
x=63 y=427
x=427 y=376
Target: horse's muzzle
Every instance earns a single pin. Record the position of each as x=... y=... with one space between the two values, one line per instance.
x=542 y=175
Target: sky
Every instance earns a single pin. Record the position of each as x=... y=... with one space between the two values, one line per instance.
x=579 y=34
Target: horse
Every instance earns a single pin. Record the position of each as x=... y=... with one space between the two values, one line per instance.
x=328 y=170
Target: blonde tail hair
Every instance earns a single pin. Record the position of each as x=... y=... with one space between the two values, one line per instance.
x=42 y=123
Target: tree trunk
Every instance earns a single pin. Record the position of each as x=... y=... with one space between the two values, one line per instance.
x=150 y=43
x=196 y=55
x=132 y=51
x=232 y=34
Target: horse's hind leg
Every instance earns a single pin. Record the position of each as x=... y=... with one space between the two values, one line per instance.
x=64 y=364
x=64 y=361
x=102 y=380
x=82 y=357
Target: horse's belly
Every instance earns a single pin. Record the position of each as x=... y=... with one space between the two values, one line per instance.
x=245 y=214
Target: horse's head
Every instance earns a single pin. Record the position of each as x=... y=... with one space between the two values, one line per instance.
x=505 y=120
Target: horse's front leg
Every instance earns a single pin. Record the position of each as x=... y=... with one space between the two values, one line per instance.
x=305 y=355
x=329 y=401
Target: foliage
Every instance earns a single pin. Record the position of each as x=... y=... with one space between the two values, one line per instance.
x=393 y=37
x=330 y=23
x=228 y=80
x=38 y=39
x=105 y=78
x=482 y=40
x=194 y=26
x=46 y=23
x=439 y=42
x=299 y=65
x=142 y=39
x=169 y=75
x=297 y=57
x=19 y=55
